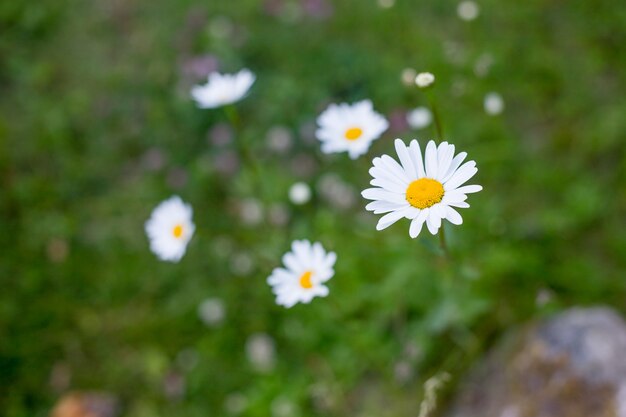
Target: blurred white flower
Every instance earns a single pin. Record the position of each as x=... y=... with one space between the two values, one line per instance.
x=221 y=27
x=300 y=193
x=261 y=351
x=222 y=89
x=170 y=228
x=544 y=296
x=419 y=118
x=212 y=311
x=241 y=264
x=250 y=211
x=350 y=128
x=187 y=359
x=421 y=190
x=337 y=192
x=279 y=139
x=483 y=64
x=308 y=267
x=408 y=76
x=403 y=371
x=236 y=403
x=283 y=407
x=278 y=214
x=424 y=79
x=467 y=10
x=494 y=104
x=386 y=4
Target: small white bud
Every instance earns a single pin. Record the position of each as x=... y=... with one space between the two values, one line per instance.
x=408 y=76
x=424 y=79
x=300 y=193
x=467 y=10
x=419 y=118
x=494 y=104
x=212 y=311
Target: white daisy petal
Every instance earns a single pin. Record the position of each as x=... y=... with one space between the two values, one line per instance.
x=380 y=194
x=461 y=204
x=431 y=159
x=453 y=216
x=468 y=189
x=406 y=160
x=389 y=219
x=456 y=162
x=453 y=197
x=416 y=156
x=292 y=262
x=308 y=267
x=446 y=152
x=431 y=223
x=417 y=223
x=463 y=174
x=380 y=206
x=394 y=167
x=388 y=185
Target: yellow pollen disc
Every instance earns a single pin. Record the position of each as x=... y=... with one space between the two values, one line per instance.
x=424 y=193
x=305 y=280
x=354 y=133
x=178 y=231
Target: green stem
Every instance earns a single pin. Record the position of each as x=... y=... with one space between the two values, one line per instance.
x=442 y=240
x=436 y=117
x=245 y=155
x=439 y=132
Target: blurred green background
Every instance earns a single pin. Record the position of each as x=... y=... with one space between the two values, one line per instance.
x=97 y=127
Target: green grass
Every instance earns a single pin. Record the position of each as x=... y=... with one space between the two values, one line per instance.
x=87 y=89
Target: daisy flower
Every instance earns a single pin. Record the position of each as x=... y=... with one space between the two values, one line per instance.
x=423 y=191
x=170 y=228
x=222 y=89
x=307 y=267
x=350 y=128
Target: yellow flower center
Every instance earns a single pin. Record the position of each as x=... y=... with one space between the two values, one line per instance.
x=354 y=133
x=177 y=231
x=305 y=280
x=424 y=193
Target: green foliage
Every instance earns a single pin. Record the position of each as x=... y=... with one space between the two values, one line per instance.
x=96 y=128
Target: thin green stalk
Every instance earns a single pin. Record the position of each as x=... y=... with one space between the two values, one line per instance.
x=243 y=150
x=442 y=240
x=436 y=117
x=439 y=132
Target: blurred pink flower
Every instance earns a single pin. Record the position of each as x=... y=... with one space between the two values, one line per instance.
x=397 y=121
x=199 y=67
x=220 y=134
x=319 y=9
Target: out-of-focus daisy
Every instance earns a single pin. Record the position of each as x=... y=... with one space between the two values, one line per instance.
x=212 y=311
x=467 y=10
x=350 y=128
x=307 y=267
x=300 y=193
x=419 y=117
x=222 y=89
x=494 y=104
x=424 y=79
x=408 y=76
x=170 y=228
x=421 y=190
x=386 y=4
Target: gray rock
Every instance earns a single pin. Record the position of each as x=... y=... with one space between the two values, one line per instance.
x=573 y=365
